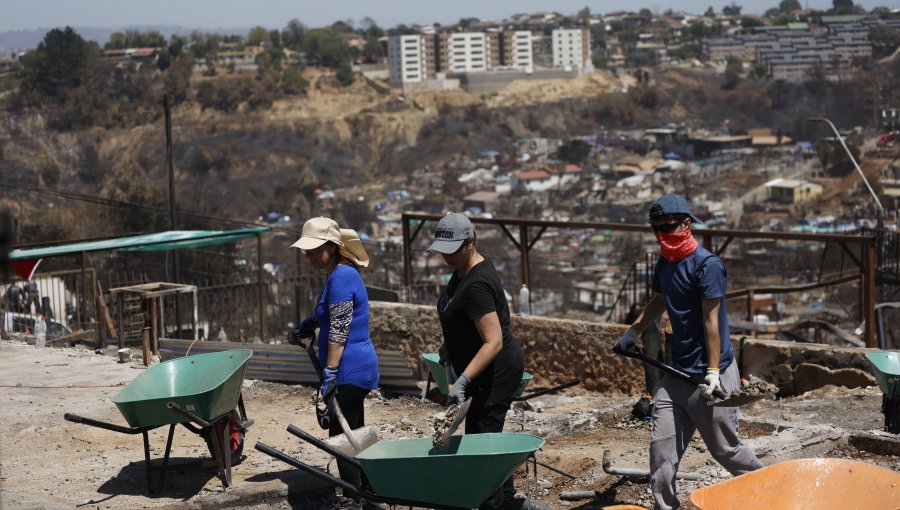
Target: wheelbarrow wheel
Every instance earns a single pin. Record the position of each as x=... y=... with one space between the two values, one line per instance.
x=235 y=442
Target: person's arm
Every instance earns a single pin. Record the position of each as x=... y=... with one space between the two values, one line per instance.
x=488 y=326
x=651 y=312
x=711 y=328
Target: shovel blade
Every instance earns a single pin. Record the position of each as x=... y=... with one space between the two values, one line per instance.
x=363 y=438
x=741 y=400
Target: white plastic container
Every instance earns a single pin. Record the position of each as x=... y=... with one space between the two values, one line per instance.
x=524 y=301
x=40 y=330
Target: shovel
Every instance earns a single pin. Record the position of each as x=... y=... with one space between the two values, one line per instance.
x=353 y=441
x=442 y=440
x=722 y=399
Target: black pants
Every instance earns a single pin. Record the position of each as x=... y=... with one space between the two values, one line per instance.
x=485 y=415
x=351 y=399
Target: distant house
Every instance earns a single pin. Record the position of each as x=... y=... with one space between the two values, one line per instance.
x=533 y=180
x=483 y=201
x=792 y=191
x=134 y=56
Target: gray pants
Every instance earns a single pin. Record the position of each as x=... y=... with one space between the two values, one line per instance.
x=678 y=410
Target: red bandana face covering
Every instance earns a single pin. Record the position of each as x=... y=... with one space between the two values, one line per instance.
x=677 y=245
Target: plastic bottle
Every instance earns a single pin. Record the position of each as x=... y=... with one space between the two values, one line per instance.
x=40 y=330
x=524 y=301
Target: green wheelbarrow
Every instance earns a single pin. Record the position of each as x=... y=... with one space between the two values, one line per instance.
x=200 y=392
x=886 y=367
x=411 y=472
x=438 y=374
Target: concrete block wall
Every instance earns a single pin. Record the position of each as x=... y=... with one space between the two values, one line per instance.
x=559 y=350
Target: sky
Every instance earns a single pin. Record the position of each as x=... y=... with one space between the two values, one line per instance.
x=212 y=14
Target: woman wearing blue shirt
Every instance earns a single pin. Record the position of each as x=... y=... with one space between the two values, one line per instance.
x=346 y=352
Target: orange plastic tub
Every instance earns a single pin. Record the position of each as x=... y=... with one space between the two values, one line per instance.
x=806 y=484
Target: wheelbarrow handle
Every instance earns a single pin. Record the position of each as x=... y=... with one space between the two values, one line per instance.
x=268 y=450
x=546 y=391
x=74 y=418
x=638 y=354
x=302 y=434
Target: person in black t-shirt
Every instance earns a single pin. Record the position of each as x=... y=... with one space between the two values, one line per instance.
x=474 y=317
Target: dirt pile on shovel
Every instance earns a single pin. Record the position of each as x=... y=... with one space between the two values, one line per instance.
x=441 y=423
x=754 y=386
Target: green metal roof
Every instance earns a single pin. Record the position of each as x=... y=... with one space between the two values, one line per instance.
x=159 y=241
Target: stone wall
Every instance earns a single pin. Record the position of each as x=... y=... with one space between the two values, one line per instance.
x=558 y=351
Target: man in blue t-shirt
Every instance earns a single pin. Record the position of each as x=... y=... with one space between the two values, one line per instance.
x=689 y=283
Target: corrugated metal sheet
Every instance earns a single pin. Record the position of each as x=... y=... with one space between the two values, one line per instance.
x=290 y=364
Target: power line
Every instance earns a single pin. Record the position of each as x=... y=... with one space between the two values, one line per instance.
x=21 y=184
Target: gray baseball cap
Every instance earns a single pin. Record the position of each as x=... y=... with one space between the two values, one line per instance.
x=451 y=232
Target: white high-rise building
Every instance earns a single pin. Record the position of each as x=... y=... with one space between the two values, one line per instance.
x=521 y=52
x=572 y=48
x=406 y=55
x=467 y=52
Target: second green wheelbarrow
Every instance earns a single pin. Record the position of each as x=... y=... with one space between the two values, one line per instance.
x=886 y=367
x=438 y=374
x=411 y=472
x=200 y=392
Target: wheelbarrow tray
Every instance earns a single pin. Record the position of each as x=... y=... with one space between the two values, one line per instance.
x=886 y=365
x=462 y=475
x=207 y=385
x=432 y=359
x=800 y=484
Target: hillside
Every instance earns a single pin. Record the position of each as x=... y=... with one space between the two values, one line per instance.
x=237 y=165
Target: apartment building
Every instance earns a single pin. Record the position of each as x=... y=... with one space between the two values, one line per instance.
x=421 y=57
x=407 y=59
x=467 y=52
x=572 y=48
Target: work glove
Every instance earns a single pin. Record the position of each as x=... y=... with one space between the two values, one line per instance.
x=626 y=341
x=711 y=384
x=306 y=328
x=329 y=377
x=457 y=393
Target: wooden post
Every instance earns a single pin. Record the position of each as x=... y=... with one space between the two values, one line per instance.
x=523 y=255
x=154 y=330
x=407 y=260
x=868 y=301
x=145 y=345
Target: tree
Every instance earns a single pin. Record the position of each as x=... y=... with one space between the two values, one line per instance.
x=584 y=16
x=790 y=6
x=344 y=73
x=733 y=70
x=574 y=151
x=369 y=28
x=293 y=34
x=710 y=12
x=732 y=9
x=645 y=13
x=751 y=22
x=325 y=47
x=257 y=36
x=842 y=4
x=62 y=60
x=885 y=39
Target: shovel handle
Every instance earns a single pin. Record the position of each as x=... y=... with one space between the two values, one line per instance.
x=638 y=354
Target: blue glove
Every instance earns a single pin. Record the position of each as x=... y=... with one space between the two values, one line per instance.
x=457 y=393
x=306 y=329
x=329 y=377
x=626 y=342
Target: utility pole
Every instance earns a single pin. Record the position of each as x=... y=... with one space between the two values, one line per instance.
x=855 y=165
x=172 y=223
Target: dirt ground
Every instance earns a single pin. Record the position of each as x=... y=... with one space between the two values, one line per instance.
x=49 y=463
